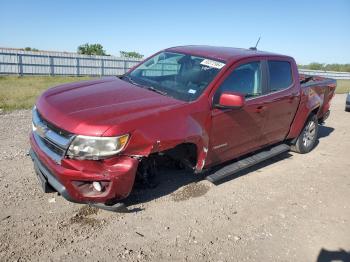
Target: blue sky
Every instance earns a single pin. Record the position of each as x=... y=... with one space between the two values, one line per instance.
x=308 y=30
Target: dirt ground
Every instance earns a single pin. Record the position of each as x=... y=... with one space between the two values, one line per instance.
x=291 y=208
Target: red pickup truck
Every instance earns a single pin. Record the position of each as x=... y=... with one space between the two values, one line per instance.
x=202 y=106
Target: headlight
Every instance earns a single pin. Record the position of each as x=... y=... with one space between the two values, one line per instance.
x=95 y=148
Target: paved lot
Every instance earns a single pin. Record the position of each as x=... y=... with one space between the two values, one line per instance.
x=287 y=209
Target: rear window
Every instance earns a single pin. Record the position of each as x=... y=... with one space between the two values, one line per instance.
x=280 y=75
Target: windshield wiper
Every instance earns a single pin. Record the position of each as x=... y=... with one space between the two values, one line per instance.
x=151 y=88
x=130 y=80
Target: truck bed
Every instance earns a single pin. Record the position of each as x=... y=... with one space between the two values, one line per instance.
x=307 y=80
x=322 y=87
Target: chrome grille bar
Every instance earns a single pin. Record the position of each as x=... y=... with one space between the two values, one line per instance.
x=51 y=154
x=49 y=141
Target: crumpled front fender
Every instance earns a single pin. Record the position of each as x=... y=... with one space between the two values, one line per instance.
x=168 y=129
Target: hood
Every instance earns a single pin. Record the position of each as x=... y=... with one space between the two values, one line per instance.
x=92 y=107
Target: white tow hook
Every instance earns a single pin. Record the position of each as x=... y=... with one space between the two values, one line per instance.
x=97 y=186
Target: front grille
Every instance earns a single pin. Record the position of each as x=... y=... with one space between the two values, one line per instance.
x=52 y=140
x=54 y=128
x=58 y=150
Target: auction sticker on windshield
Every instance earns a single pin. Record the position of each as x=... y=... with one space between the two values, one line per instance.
x=212 y=63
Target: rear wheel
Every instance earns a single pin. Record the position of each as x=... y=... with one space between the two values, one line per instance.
x=308 y=137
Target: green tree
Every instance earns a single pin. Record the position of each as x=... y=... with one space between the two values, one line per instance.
x=131 y=54
x=91 y=49
x=30 y=49
x=316 y=66
x=327 y=67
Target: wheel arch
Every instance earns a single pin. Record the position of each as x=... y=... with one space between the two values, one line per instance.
x=302 y=115
x=308 y=116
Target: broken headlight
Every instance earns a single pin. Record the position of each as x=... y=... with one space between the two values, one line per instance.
x=95 y=148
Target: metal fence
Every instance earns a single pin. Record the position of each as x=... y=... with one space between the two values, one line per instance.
x=19 y=62
x=58 y=63
x=330 y=74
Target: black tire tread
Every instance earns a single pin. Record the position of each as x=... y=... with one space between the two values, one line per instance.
x=298 y=147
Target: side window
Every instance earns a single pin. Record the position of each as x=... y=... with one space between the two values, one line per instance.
x=245 y=79
x=280 y=73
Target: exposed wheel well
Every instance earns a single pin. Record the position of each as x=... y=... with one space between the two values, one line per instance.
x=186 y=153
x=183 y=156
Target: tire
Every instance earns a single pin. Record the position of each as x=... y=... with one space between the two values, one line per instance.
x=307 y=139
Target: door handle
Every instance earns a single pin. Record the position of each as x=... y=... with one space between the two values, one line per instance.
x=260 y=109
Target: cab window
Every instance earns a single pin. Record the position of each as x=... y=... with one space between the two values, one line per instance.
x=245 y=79
x=280 y=75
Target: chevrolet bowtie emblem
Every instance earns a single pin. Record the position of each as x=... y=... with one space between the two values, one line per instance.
x=41 y=130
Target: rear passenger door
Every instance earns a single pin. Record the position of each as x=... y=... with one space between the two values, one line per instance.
x=282 y=99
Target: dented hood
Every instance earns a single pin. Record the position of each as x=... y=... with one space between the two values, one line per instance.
x=92 y=107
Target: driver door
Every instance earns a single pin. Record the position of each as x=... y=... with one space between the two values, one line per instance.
x=235 y=132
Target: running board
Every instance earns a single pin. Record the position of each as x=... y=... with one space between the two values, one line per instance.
x=247 y=162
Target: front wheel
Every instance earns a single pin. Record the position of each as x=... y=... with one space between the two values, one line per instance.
x=308 y=137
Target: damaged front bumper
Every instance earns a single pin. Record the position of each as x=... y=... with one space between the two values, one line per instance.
x=73 y=179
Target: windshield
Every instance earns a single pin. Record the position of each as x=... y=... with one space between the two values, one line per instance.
x=181 y=76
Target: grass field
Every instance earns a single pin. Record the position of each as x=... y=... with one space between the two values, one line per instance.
x=343 y=86
x=21 y=92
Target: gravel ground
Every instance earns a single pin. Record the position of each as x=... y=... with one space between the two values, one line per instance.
x=291 y=208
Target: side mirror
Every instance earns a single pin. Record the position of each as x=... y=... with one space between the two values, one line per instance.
x=231 y=100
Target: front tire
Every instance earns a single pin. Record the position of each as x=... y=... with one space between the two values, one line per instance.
x=306 y=141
